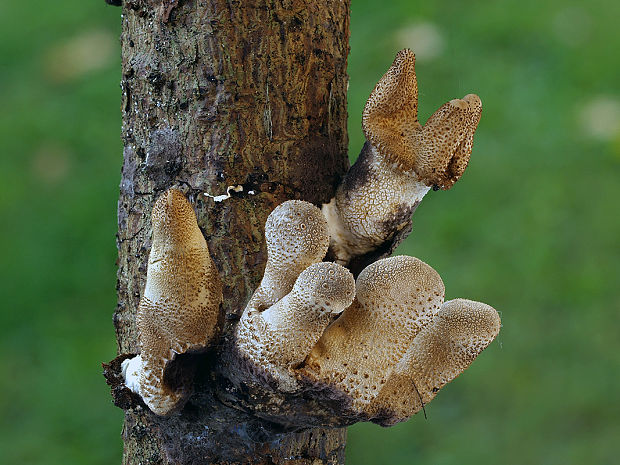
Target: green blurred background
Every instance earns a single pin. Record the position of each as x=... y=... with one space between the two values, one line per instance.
x=533 y=227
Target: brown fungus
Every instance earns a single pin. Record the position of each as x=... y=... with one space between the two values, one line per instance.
x=395 y=298
x=179 y=309
x=400 y=163
x=440 y=352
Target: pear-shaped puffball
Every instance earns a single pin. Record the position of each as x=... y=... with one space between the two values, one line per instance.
x=395 y=298
x=441 y=351
x=296 y=236
x=400 y=162
x=281 y=337
x=179 y=309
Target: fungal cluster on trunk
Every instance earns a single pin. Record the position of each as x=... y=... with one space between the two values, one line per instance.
x=400 y=162
x=321 y=343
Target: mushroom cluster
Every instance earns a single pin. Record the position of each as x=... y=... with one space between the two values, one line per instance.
x=383 y=344
x=386 y=342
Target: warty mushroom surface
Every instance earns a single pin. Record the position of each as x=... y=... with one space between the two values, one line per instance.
x=179 y=309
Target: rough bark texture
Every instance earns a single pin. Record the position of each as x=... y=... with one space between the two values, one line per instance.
x=223 y=93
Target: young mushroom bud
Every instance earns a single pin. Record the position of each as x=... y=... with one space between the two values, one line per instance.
x=296 y=236
x=400 y=162
x=179 y=309
x=395 y=298
x=440 y=352
x=280 y=337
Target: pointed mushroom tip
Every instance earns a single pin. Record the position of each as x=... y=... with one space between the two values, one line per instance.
x=473 y=100
x=390 y=116
x=172 y=205
x=405 y=54
x=479 y=318
x=174 y=222
x=403 y=66
x=170 y=197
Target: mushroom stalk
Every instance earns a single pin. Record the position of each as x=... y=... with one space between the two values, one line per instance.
x=280 y=337
x=296 y=236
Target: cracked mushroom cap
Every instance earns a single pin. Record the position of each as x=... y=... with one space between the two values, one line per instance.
x=283 y=335
x=437 y=153
x=179 y=309
x=296 y=236
x=441 y=351
x=395 y=298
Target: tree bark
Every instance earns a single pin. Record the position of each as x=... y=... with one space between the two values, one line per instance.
x=215 y=94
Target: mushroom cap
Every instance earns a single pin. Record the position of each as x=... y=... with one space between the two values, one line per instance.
x=395 y=298
x=179 y=308
x=438 y=153
x=459 y=332
x=390 y=116
x=180 y=305
x=296 y=236
x=174 y=223
x=326 y=285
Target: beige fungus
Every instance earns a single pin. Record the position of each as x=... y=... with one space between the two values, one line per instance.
x=395 y=298
x=296 y=236
x=179 y=309
x=280 y=337
x=440 y=352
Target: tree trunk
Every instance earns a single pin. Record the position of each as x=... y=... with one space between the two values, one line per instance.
x=215 y=94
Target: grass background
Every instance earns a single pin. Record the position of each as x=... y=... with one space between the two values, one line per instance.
x=533 y=227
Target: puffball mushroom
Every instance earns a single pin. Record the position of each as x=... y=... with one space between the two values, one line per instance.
x=280 y=337
x=440 y=352
x=395 y=298
x=179 y=309
x=400 y=162
x=297 y=297
x=296 y=236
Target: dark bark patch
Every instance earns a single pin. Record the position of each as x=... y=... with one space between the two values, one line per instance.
x=163 y=157
x=122 y=396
